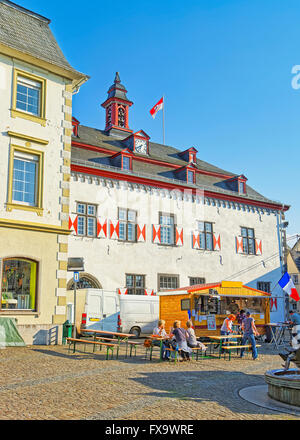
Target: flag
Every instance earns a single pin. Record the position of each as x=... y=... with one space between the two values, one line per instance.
x=159 y=106
x=288 y=286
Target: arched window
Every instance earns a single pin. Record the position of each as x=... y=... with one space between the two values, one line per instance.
x=19 y=284
x=86 y=281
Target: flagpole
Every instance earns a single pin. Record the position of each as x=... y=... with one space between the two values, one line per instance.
x=164 y=120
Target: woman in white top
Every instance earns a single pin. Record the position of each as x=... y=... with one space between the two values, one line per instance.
x=160 y=331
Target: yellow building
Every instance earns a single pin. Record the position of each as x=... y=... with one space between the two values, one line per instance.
x=293 y=268
x=36 y=87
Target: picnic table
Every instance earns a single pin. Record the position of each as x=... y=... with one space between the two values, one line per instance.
x=223 y=338
x=160 y=339
x=121 y=337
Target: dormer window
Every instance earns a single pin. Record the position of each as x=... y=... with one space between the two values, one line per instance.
x=238 y=184
x=190 y=176
x=189 y=155
x=126 y=163
x=242 y=187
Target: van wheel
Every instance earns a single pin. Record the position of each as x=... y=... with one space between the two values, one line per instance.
x=135 y=331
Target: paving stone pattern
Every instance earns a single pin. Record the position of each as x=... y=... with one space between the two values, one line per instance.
x=50 y=383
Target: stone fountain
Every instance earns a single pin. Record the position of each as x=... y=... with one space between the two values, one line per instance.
x=284 y=384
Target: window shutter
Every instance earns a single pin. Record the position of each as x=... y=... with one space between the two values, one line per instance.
x=196 y=239
x=179 y=236
x=101 y=227
x=258 y=246
x=217 y=242
x=149 y=292
x=239 y=245
x=114 y=229
x=123 y=291
x=73 y=223
x=156 y=237
x=141 y=233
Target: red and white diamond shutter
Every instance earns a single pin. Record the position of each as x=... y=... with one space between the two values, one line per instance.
x=179 y=236
x=73 y=223
x=101 y=227
x=239 y=245
x=156 y=234
x=149 y=292
x=258 y=246
x=196 y=240
x=141 y=233
x=114 y=231
x=217 y=242
x=123 y=291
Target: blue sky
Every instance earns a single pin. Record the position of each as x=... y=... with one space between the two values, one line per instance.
x=223 y=65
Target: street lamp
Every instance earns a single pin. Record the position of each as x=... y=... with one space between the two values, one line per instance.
x=75 y=265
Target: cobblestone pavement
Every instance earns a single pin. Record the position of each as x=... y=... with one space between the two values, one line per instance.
x=49 y=383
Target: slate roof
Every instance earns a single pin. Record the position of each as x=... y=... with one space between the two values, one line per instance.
x=30 y=33
x=162 y=153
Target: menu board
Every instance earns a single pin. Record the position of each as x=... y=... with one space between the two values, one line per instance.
x=211 y=322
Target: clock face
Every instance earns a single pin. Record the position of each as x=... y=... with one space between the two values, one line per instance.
x=140 y=146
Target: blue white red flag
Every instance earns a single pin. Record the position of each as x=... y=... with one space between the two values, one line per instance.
x=288 y=286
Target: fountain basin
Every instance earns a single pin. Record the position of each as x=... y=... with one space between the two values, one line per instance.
x=284 y=386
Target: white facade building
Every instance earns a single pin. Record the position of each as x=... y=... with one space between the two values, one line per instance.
x=148 y=217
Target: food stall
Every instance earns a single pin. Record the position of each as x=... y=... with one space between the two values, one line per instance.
x=207 y=305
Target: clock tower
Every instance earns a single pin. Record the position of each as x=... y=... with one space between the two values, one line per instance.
x=117 y=107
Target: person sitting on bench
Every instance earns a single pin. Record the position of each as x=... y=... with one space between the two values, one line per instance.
x=192 y=340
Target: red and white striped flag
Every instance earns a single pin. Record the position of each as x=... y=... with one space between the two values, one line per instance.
x=159 y=106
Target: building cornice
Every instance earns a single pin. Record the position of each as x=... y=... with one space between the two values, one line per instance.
x=29 y=226
x=171 y=186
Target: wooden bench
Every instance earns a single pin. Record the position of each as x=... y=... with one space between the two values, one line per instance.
x=172 y=350
x=200 y=349
x=109 y=347
x=237 y=348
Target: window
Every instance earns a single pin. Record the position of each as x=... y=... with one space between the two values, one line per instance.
x=168 y=282
x=84 y=283
x=167 y=228
x=248 y=241
x=264 y=286
x=190 y=177
x=19 y=284
x=87 y=219
x=295 y=279
x=126 y=163
x=25 y=174
x=127 y=225
x=29 y=97
x=206 y=305
x=194 y=281
x=241 y=187
x=135 y=284
x=25 y=185
x=206 y=235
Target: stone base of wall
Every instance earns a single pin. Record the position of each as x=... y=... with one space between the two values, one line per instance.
x=41 y=334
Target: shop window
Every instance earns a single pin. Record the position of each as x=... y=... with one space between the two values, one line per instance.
x=264 y=286
x=19 y=284
x=206 y=305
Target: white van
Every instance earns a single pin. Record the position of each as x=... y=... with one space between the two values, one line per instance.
x=138 y=314
x=96 y=309
x=104 y=310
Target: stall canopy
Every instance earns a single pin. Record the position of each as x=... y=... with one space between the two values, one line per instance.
x=223 y=288
x=9 y=334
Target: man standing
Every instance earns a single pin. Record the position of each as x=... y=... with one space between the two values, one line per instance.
x=250 y=332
